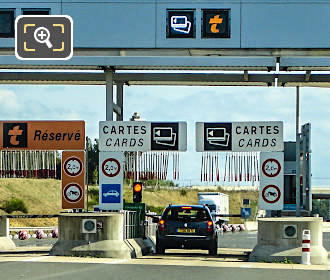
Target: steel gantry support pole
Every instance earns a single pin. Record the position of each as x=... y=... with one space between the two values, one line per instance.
x=109 y=106
x=297 y=155
x=120 y=102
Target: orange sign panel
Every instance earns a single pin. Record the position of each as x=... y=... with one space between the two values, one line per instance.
x=73 y=179
x=42 y=135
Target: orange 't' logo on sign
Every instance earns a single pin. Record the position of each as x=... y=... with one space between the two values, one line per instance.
x=13 y=133
x=214 y=23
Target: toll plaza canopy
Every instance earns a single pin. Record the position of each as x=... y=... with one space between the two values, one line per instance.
x=248 y=36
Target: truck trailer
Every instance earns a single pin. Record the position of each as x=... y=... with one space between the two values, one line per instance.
x=217 y=202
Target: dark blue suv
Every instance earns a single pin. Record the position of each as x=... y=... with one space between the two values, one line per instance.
x=186 y=227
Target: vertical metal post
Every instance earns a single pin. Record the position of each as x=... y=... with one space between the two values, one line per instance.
x=304 y=174
x=120 y=101
x=297 y=155
x=109 y=94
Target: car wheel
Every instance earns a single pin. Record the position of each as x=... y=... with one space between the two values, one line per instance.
x=213 y=250
x=159 y=249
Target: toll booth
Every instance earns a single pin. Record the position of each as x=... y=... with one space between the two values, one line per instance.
x=290 y=175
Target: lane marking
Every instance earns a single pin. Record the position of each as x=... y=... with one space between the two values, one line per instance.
x=36 y=259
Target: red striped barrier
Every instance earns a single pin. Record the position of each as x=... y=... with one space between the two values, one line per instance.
x=306 y=247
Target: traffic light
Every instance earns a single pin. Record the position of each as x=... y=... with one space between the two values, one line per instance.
x=137 y=192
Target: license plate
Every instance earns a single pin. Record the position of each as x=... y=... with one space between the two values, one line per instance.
x=186 y=230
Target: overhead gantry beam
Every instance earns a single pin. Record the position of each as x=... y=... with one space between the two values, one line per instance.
x=177 y=79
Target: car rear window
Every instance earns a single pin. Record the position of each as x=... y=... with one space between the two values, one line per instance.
x=187 y=215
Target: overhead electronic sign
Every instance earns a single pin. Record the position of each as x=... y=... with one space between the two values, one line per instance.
x=180 y=24
x=216 y=24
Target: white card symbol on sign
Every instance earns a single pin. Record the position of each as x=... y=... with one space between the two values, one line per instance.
x=73 y=166
x=271 y=167
x=111 y=167
x=164 y=136
x=217 y=136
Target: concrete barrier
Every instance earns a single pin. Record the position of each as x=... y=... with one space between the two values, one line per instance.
x=5 y=242
x=281 y=238
x=107 y=241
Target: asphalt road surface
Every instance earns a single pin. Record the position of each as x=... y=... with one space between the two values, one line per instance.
x=33 y=270
x=175 y=264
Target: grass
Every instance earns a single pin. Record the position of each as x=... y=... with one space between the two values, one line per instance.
x=43 y=196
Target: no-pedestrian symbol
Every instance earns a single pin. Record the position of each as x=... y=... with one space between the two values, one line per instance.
x=111 y=167
x=73 y=166
x=72 y=192
x=271 y=167
x=271 y=194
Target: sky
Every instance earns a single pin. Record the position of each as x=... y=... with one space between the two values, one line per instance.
x=174 y=103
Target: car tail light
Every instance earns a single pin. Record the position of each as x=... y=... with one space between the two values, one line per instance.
x=209 y=226
x=186 y=207
x=161 y=225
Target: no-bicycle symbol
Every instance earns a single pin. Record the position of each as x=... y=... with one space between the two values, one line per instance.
x=271 y=194
x=111 y=167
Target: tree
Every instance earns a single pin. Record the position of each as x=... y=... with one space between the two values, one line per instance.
x=92 y=150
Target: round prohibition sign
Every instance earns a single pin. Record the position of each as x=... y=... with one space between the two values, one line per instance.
x=271 y=194
x=72 y=193
x=73 y=166
x=111 y=167
x=271 y=167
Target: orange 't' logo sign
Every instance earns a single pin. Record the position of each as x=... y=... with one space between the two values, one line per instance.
x=214 y=23
x=13 y=133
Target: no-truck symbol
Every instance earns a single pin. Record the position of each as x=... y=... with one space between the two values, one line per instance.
x=111 y=167
x=271 y=167
x=73 y=166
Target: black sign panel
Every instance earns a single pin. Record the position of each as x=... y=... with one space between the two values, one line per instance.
x=164 y=136
x=216 y=24
x=217 y=136
x=180 y=24
x=15 y=135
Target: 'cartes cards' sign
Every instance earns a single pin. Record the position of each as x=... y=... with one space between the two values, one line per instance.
x=239 y=136
x=143 y=136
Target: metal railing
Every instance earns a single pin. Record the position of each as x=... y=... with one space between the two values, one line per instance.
x=130 y=224
x=32 y=228
x=150 y=227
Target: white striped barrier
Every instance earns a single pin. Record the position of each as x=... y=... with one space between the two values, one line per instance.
x=306 y=247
